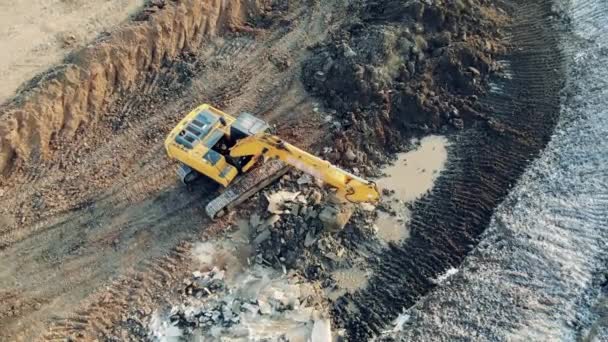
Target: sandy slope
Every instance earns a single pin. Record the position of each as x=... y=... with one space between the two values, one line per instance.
x=35 y=34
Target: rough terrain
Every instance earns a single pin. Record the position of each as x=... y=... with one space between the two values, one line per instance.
x=83 y=209
x=99 y=241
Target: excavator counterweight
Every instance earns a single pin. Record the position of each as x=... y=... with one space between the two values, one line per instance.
x=239 y=154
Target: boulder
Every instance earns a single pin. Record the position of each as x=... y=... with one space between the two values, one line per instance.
x=335 y=217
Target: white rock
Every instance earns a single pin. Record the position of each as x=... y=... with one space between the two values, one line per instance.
x=304 y=179
x=368 y=207
x=348 y=52
x=277 y=200
x=334 y=218
x=265 y=308
x=321 y=331
x=350 y=155
x=254 y=220
x=309 y=240
x=251 y=308
x=263 y=236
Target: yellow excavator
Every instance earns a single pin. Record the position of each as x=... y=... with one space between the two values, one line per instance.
x=243 y=157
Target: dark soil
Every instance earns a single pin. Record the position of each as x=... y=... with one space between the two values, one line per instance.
x=401 y=68
x=453 y=49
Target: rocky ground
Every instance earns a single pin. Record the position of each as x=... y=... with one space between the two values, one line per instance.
x=98 y=241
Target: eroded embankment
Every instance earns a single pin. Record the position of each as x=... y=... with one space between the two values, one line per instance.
x=73 y=95
x=485 y=161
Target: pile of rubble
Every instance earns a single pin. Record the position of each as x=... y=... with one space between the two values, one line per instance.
x=294 y=240
x=259 y=303
x=302 y=228
x=218 y=310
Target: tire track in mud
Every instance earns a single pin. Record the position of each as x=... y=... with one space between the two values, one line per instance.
x=39 y=178
x=147 y=172
x=103 y=310
x=484 y=163
x=142 y=205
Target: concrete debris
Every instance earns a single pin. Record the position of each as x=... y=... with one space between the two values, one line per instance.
x=260 y=304
x=348 y=52
x=350 y=155
x=254 y=220
x=263 y=236
x=270 y=222
x=335 y=217
x=305 y=231
x=475 y=71
x=204 y=284
x=316 y=197
x=321 y=331
x=367 y=207
x=277 y=200
x=309 y=240
x=305 y=179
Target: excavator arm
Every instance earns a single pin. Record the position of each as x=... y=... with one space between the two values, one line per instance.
x=267 y=146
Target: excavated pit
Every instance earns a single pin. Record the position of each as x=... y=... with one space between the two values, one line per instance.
x=517 y=116
x=486 y=75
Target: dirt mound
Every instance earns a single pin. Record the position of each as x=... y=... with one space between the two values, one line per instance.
x=72 y=96
x=407 y=66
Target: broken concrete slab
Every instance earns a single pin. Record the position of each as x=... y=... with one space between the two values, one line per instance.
x=277 y=200
x=335 y=217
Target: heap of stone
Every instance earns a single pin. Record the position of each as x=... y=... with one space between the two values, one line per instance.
x=297 y=225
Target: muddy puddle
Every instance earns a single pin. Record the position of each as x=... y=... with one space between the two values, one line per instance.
x=410 y=177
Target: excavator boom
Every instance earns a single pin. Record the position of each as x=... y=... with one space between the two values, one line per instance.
x=267 y=146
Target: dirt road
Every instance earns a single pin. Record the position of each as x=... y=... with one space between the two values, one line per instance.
x=104 y=205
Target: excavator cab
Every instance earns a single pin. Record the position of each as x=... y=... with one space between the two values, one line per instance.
x=202 y=143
